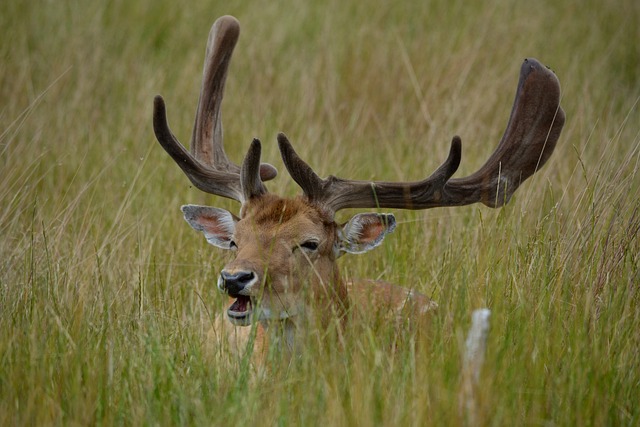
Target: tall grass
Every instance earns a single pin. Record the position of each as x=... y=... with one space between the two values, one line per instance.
x=107 y=298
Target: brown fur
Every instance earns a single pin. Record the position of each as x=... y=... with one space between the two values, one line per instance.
x=269 y=236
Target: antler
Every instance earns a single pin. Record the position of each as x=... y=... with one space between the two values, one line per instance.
x=531 y=135
x=207 y=165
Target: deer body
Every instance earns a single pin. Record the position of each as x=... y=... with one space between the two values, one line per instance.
x=286 y=249
x=285 y=266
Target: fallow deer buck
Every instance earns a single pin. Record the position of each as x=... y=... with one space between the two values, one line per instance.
x=286 y=249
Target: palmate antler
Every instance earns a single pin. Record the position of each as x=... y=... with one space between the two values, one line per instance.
x=207 y=165
x=531 y=135
x=529 y=140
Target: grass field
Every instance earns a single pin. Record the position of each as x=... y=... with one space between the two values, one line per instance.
x=107 y=296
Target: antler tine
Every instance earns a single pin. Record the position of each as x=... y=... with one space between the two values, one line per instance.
x=531 y=135
x=207 y=165
x=336 y=193
x=209 y=180
x=250 y=172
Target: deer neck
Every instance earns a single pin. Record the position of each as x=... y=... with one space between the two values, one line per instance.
x=330 y=303
x=282 y=334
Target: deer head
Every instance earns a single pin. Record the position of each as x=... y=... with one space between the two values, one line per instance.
x=286 y=249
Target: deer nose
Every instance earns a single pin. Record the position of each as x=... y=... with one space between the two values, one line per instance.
x=234 y=283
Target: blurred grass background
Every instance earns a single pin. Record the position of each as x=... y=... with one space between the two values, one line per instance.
x=107 y=296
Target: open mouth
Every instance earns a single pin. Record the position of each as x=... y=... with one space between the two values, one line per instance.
x=240 y=311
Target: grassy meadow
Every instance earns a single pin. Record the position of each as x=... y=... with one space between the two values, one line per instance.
x=107 y=297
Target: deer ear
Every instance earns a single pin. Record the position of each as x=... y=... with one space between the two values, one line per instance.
x=365 y=231
x=217 y=225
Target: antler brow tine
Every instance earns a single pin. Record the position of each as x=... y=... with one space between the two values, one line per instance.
x=250 y=172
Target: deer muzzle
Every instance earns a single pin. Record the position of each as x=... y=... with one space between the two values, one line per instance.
x=238 y=285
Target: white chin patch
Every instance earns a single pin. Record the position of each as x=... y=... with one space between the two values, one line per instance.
x=242 y=312
x=268 y=314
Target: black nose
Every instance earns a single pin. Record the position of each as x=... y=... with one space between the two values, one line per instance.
x=234 y=283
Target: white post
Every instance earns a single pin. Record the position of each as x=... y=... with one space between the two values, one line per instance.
x=475 y=348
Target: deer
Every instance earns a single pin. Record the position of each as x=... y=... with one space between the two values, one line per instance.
x=286 y=249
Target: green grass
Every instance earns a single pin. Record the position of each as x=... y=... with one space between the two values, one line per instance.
x=107 y=296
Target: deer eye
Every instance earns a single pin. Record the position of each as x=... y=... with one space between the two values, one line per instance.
x=310 y=245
